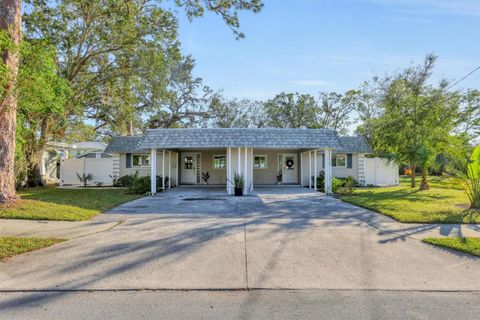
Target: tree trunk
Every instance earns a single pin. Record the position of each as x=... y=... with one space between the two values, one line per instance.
x=34 y=153
x=10 y=20
x=424 y=184
x=413 y=183
x=34 y=177
x=129 y=127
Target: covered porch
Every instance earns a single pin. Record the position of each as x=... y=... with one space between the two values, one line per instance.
x=260 y=156
x=260 y=168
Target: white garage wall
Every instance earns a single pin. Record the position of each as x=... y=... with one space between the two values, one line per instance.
x=101 y=169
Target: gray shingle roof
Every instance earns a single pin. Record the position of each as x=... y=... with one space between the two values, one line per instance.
x=240 y=137
x=124 y=144
x=354 y=144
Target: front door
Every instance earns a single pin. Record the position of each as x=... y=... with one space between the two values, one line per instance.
x=190 y=167
x=289 y=169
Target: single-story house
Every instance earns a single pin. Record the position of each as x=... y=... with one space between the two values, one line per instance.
x=264 y=156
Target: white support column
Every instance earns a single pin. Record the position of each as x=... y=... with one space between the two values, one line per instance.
x=309 y=169
x=245 y=187
x=169 y=169
x=153 y=171
x=301 y=169
x=163 y=170
x=62 y=159
x=239 y=162
x=328 y=171
x=229 y=169
x=316 y=173
x=251 y=169
x=177 y=169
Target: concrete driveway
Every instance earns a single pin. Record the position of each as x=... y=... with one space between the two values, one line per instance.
x=281 y=238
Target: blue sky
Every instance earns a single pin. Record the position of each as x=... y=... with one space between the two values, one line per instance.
x=319 y=45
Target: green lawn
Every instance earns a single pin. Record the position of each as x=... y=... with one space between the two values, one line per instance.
x=10 y=246
x=445 y=202
x=467 y=245
x=48 y=203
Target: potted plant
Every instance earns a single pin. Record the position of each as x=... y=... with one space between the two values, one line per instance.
x=279 y=177
x=238 y=184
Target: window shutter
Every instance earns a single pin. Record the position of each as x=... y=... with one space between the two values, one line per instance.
x=334 y=160
x=323 y=161
x=129 y=160
x=349 y=161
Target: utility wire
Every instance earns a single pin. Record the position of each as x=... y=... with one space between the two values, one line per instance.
x=452 y=85
x=463 y=78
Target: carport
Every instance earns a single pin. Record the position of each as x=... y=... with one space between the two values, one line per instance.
x=297 y=154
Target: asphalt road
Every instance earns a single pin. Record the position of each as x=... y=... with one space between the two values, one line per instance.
x=262 y=304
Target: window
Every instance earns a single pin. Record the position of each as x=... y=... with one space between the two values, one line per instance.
x=140 y=160
x=219 y=162
x=339 y=160
x=188 y=162
x=259 y=162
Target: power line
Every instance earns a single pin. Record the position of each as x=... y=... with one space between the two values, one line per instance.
x=463 y=78
x=452 y=85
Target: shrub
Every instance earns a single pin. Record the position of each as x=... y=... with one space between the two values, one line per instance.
x=320 y=181
x=339 y=185
x=139 y=185
x=125 y=181
x=142 y=185
x=347 y=186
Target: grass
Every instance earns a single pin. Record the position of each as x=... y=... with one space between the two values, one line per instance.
x=467 y=245
x=445 y=202
x=10 y=246
x=47 y=203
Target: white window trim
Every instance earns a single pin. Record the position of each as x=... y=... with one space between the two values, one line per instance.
x=141 y=166
x=336 y=161
x=213 y=162
x=260 y=155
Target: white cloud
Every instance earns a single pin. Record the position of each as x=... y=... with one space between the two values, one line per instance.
x=311 y=83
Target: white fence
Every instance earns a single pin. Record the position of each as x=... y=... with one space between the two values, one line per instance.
x=380 y=172
x=101 y=169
